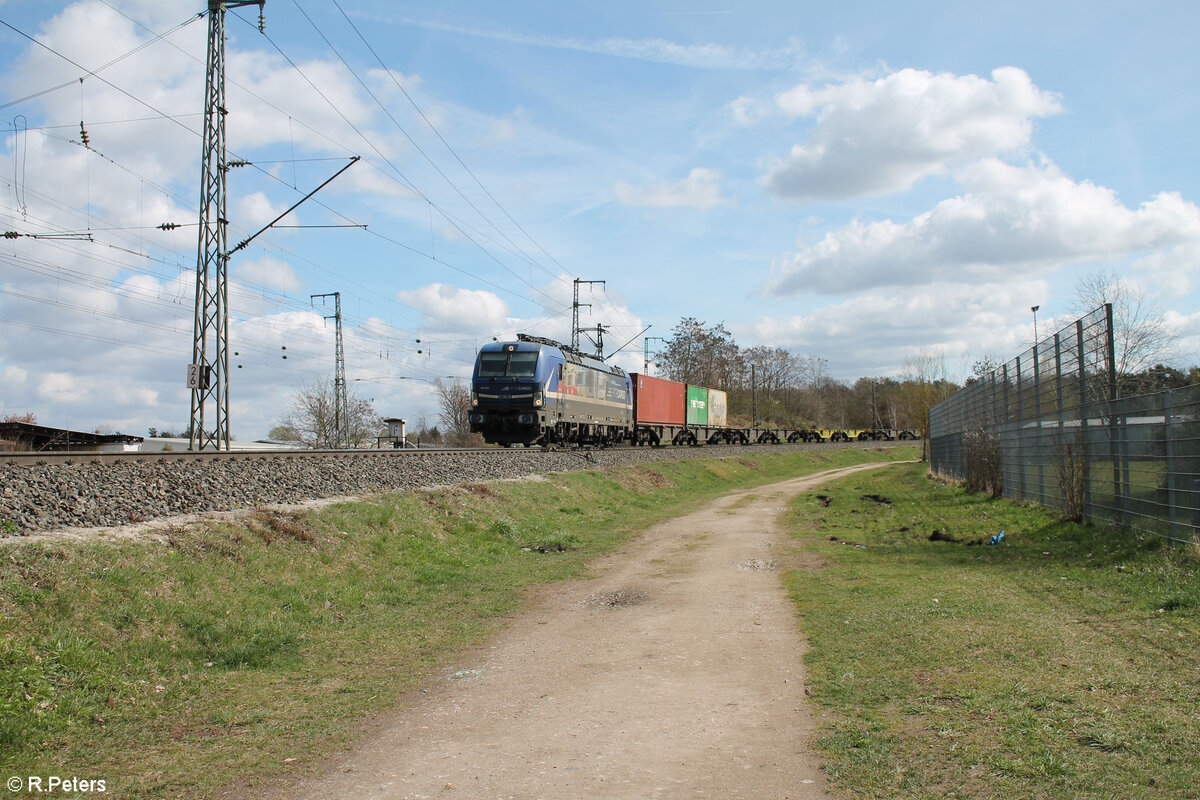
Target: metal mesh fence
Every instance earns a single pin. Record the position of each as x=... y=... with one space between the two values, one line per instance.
x=1049 y=427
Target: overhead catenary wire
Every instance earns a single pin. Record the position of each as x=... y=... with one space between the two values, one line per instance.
x=453 y=152
x=93 y=74
x=162 y=115
x=450 y=218
x=102 y=283
x=100 y=68
x=139 y=252
x=405 y=181
x=241 y=297
x=168 y=192
x=437 y=133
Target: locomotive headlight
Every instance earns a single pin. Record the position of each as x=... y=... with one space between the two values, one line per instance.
x=474 y=399
x=537 y=398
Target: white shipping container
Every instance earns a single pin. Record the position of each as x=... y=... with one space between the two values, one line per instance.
x=718 y=416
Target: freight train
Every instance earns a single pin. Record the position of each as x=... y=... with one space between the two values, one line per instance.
x=536 y=391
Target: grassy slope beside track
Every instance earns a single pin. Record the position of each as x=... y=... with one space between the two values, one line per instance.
x=234 y=653
x=1064 y=662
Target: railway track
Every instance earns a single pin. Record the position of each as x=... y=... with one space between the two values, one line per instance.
x=96 y=457
x=93 y=457
x=54 y=491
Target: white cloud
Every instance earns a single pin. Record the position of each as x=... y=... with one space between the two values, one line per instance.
x=1012 y=220
x=61 y=387
x=252 y=123
x=703 y=55
x=268 y=272
x=1187 y=328
x=1173 y=272
x=255 y=210
x=387 y=80
x=959 y=320
x=504 y=130
x=13 y=376
x=882 y=136
x=451 y=308
x=700 y=190
x=746 y=110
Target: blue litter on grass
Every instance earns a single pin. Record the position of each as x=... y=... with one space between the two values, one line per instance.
x=997 y=538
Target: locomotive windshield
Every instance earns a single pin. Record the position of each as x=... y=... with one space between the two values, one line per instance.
x=511 y=364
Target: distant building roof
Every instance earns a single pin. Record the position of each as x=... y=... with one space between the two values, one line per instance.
x=24 y=436
x=157 y=444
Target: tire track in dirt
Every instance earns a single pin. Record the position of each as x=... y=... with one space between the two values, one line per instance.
x=676 y=673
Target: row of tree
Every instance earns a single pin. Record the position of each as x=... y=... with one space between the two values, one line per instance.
x=775 y=387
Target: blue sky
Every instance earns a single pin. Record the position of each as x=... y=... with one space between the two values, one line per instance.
x=857 y=183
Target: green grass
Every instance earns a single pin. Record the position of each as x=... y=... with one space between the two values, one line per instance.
x=245 y=653
x=1064 y=662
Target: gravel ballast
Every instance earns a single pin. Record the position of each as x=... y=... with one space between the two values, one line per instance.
x=86 y=493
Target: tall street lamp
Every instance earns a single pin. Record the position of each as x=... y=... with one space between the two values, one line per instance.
x=1034 y=309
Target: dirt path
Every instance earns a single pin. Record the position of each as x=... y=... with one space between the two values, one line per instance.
x=677 y=673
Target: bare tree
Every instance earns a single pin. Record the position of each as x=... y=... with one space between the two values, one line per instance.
x=365 y=425
x=924 y=385
x=809 y=402
x=704 y=356
x=313 y=420
x=774 y=367
x=454 y=402
x=766 y=373
x=1140 y=335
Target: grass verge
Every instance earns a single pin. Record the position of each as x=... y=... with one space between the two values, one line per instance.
x=244 y=653
x=1062 y=662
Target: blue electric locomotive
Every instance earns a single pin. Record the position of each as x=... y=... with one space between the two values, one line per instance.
x=536 y=391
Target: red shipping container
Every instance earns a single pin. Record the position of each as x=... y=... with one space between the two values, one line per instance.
x=657 y=401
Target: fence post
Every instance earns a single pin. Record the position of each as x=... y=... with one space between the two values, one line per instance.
x=1059 y=448
x=1168 y=446
x=1058 y=377
x=1009 y=431
x=1084 y=415
x=1039 y=443
x=996 y=418
x=1114 y=427
x=1020 y=432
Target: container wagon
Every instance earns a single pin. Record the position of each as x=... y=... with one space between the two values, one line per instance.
x=536 y=391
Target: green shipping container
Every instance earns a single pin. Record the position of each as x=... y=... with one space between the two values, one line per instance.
x=697 y=405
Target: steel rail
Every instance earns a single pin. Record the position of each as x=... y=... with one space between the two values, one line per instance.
x=50 y=457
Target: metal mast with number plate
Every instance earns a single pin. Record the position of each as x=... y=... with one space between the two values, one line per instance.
x=208 y=374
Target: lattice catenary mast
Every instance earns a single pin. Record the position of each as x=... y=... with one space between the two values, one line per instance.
x=208 y=374
x=341 y=406
x=575 y=306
